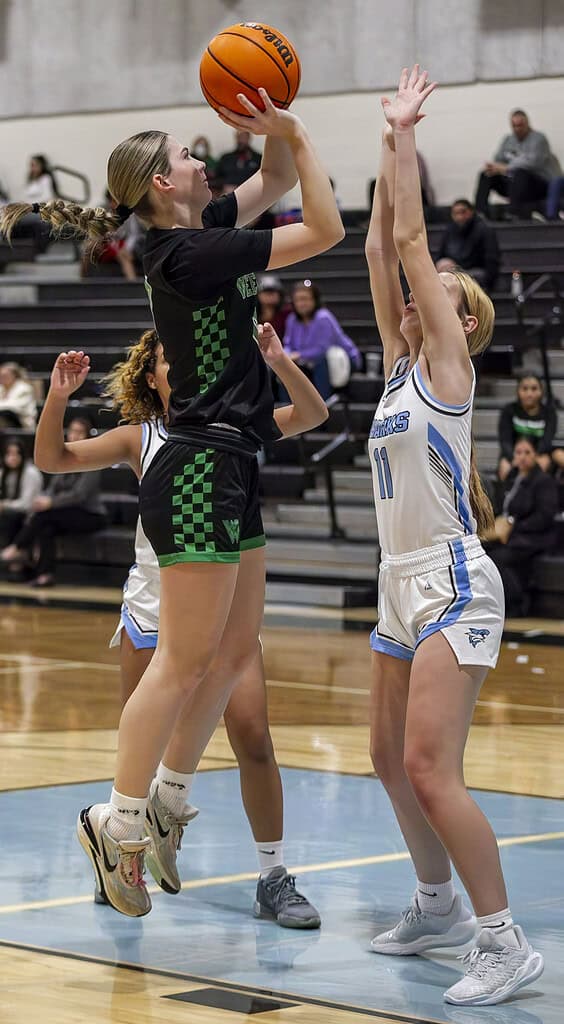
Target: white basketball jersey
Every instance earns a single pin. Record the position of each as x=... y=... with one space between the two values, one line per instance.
x=153 y=437
x=420 y=459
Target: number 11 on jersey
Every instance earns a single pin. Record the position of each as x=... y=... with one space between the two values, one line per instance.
x=384 y=473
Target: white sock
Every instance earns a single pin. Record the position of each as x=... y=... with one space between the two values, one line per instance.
x=174 y=788
x=436 y=898
x=270 y=855
x=127 y=816
x=498 y=922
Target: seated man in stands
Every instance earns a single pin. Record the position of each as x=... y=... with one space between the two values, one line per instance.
x=526 y=526
x=530 y=417
x=18 y=407
x=70 y=504
x=520 y=169
x=470 y=243
x=235 y=167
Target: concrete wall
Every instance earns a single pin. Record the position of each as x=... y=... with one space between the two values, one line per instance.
x=463 y=126
x=61 y=56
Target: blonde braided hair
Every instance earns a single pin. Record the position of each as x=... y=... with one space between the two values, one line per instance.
x=131 y=167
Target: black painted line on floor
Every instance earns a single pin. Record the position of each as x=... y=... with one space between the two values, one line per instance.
x=196 y=979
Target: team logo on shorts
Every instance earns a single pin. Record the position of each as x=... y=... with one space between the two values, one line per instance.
x=477 y=636
x=232 y=527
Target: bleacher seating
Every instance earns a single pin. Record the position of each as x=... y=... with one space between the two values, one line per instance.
x=102 y=315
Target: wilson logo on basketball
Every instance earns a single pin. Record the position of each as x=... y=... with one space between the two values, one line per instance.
x=269 y=35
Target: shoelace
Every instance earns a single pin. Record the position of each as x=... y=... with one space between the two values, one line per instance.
x=480 y=961
x=132 y=867
x=284 y=889
x=177 y=826
x=413 y=914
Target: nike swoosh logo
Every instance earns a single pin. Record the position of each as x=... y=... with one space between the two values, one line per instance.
x=269 y=852
x=163 y=833
x=109 y=866
x=427 y=893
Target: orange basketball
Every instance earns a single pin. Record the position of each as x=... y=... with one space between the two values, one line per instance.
x=244 y=57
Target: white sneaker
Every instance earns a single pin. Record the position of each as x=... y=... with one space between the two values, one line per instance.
x=495 y=971
x=165 y=830
x=119 y=865
x=418 y=931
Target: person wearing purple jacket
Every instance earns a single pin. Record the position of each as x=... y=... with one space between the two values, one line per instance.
x=311 y=330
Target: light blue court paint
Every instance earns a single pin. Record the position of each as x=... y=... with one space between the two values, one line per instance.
x=211 y=932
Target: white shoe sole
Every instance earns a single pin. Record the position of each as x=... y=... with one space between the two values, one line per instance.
x=458 y=935
x=528 y=973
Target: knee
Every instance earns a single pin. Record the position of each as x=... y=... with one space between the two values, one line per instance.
x=250 y=739
x=182 y=671
x=425 y=776
x=387 y=762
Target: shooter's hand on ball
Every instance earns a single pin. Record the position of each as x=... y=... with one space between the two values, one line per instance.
x=402 y=112
x=270 y=121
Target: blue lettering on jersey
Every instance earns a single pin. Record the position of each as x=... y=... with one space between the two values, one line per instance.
x=396 y=424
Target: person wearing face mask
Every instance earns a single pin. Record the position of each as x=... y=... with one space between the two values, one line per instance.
x=201 y=149
x=239 y=164
x=525 y=528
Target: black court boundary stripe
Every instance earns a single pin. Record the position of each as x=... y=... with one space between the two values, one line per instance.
x=230 y=767
x=196 y=979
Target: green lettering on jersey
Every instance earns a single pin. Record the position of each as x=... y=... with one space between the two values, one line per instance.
x=247 y=285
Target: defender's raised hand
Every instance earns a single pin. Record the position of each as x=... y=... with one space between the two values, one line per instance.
x=402 y=112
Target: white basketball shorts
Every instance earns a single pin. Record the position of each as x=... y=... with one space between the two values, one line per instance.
x=452 y=588
x=140 y=609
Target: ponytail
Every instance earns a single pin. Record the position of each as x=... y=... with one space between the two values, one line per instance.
x=89 y=222
x=481 y=505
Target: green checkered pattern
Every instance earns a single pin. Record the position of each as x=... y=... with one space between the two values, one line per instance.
x=212 y=351
x=192 y=506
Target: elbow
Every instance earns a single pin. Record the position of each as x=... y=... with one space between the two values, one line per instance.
x=407 y=238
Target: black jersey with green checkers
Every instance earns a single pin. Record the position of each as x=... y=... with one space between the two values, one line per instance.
x=202 y=289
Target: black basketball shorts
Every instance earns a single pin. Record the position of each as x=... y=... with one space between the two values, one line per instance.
x=201 y=504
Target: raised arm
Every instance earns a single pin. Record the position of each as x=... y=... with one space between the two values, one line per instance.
x=276 y=175
x=308 y=409
x=52 y=453
x=322 y=226
x=444 y=342
x=382 y=258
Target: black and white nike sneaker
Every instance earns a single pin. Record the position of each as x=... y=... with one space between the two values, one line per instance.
x=119 y=866
x=165 y=831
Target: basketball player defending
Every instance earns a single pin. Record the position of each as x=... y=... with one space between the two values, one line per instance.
x=440 y=614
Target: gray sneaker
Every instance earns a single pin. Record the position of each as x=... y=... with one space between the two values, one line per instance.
x=118 y=865
x=495 y=971
x=278 y=900
x=418 y=931
x=165 y=831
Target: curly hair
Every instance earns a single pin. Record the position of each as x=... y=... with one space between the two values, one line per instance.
x=126 y=383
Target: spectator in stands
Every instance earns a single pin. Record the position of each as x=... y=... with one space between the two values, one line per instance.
x=272 y=307
x=70 y=504
x=529 y=417
x=20 y=484
x=311 y=330
x=18 y=407
x=201 y=149
x=40 y=187
x=239 y=164
x=470 y=243
x=520 y=169
x=526 y=527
